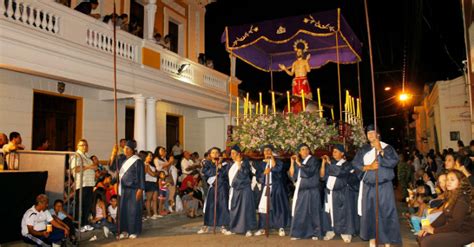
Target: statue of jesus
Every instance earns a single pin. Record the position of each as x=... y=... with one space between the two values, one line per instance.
x=300 y=68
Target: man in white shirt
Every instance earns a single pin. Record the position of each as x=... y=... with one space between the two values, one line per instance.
x=81 y=159
x=177 y=150
x=186 y=164
x=34 y=223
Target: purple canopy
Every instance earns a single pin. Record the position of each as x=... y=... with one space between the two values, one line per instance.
x=269 y=43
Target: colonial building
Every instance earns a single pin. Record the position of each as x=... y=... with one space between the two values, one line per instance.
x=56 y=76
x=444 y=116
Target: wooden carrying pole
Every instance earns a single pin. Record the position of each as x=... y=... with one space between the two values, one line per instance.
x=115 y=114
x=375 y=124
x=215 y=196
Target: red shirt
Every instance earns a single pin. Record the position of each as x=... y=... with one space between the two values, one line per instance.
x=184 y=184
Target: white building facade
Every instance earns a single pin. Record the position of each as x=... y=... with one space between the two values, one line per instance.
x=44 y=44
x=444 y=116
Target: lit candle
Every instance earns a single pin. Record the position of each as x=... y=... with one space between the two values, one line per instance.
x=357 y=108
x=246 y=105
x=250 y=108
x=288 y=97
x=302 y=98
x=345 y=111
x=266 y=109
x=332 y=113
x=260 y=100
x=353 y=107
x=256 y=108
x=238 y=110
x=273 y=103
x=319 y=105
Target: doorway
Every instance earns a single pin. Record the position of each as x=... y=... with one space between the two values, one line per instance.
x=174 y=131
x=129 y=122
x=55 y=119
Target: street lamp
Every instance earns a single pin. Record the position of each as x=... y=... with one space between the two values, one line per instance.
x=387 y=89
x=403 y=97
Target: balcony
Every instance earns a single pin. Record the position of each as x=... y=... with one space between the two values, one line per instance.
x=44 y=38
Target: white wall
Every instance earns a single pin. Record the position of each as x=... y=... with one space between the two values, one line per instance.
x=16 y=110
x=215 y=132
x=454 y=111
x=194 y=132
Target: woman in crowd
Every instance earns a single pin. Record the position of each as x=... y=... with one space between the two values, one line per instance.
x=338 y=217
x=215 y=171
x=151 y=187
x=163 y=163
x=306 y=207
x=455 y=226
x=241 y=200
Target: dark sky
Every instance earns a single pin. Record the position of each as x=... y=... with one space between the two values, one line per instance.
x=429 y=32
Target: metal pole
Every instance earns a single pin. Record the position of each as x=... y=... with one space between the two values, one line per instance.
x=375 y=124
x=271 y=73
x=359 y=87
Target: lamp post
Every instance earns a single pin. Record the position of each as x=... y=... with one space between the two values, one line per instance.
x=404 y=98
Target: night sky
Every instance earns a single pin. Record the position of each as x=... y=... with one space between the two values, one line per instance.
x=430 y=33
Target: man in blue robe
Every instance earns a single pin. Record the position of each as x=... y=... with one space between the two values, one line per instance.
x=131 y=186
x=277 y=205
x=306 y=207
x=377 y=157
x=241 y=201
x=337 y=218
x=222 y=209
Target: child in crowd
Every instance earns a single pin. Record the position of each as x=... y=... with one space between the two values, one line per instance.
x=112 y=210
x=99 y=217
x=163 y=194
x=60 y=214
x=191 y=203
x=416 y=218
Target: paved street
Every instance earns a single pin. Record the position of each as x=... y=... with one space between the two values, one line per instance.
x=178 y=230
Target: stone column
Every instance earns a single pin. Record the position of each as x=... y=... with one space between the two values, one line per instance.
x=150 y=124
x=149 y=19
x=139 y=122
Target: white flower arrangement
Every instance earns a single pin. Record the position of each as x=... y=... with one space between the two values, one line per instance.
x=284 y=131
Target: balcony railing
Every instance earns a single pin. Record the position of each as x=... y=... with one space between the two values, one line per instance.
x=54 y=19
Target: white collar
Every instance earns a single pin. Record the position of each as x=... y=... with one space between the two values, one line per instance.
x=306 y=159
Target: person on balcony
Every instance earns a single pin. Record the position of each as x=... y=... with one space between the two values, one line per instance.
x=87 y=7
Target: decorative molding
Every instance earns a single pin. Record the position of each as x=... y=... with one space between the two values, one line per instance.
x=175 y=6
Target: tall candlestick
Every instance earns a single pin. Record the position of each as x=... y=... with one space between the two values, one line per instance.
x=273 y=103
x=238 y=110
x=250 y=108
x=288 y=97
x=358 y=105
x=302 y=98
x=332 y=113
x=353 y=107
x=319 y=105
x=345 y=111
x=260 y=100
x=246 y=105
